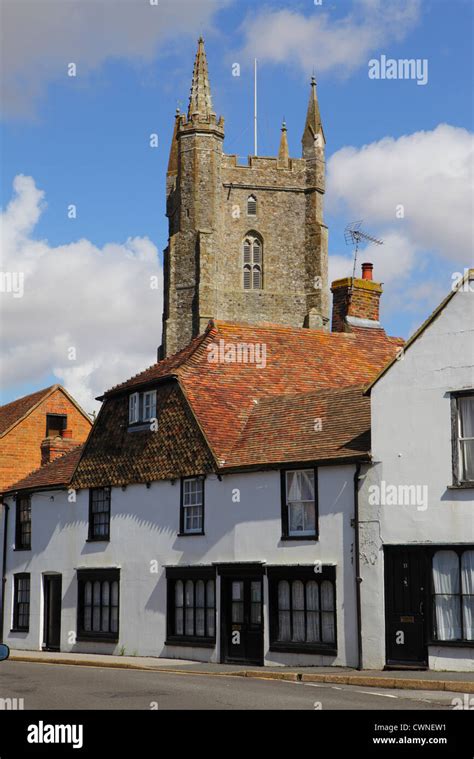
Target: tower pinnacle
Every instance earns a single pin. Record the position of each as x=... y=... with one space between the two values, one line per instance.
x=200 y=102
x=313 y=126
x=283 y=153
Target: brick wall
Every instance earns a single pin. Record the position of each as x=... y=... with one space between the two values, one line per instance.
x=20 y=449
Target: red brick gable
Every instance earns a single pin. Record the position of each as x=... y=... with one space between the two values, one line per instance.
x=24 y=429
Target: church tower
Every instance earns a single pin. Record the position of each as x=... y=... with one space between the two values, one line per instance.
x=247 y=242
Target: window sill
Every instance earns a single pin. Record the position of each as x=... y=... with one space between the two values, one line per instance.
x=20 y=630
x=98 y=540
x=461 y=486
x=300 y=537
x=22 y=549
x=96 y=639
x=304 y=648
x=191 y=642
x=452 y=643
x=139 y=427
x=189 y=534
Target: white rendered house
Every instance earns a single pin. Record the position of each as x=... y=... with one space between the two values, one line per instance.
x=416 y=501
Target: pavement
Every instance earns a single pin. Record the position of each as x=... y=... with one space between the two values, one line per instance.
x=460 y=682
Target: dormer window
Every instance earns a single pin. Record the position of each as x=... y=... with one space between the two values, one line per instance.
x=142 y=407
x=252 y=206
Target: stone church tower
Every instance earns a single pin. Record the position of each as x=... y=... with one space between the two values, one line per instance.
x=247 y=243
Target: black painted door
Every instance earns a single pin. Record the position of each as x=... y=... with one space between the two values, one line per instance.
x=405 y=606
x=52 y=612
x=243 y=620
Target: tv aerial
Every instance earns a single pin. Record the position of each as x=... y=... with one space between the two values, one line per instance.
x=354 y=235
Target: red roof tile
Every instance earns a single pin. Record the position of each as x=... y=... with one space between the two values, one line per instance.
x=12 y=412
x=298 y=360
x=58 y=472
x=323 y=425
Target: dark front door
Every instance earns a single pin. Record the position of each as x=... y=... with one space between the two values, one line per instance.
x=52 y=612
x=405 y=606
x=242 y=620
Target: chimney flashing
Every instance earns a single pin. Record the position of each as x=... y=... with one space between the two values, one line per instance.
x=357 y=321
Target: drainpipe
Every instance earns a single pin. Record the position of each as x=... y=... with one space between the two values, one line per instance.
x=4 y=567
x=358 y=578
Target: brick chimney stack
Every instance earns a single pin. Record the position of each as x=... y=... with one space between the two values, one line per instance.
x=53 y=447
x=356 y=301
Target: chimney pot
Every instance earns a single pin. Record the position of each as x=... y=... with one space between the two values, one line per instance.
x=367 y=270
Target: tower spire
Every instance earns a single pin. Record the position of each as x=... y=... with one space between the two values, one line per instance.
x=313 y=126
x=200 y=102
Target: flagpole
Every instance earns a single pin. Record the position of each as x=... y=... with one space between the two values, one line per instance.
x=255 y=107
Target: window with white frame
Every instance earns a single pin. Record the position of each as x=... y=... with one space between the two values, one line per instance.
x=453 y=595
x=299 y=503
x=149 y=405
x=192 y=506
x=463 y=443
x=134 y=408
x=252 y=263
x=142 y=407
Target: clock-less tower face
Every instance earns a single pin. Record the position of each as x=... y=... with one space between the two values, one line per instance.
x=247 y=243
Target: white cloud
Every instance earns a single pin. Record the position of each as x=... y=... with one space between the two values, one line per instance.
x=41 y=37
x=325 y=42
x=430 y=174
x=96 y=300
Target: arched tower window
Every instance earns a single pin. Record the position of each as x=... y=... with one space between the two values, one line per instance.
x=253 y=263
x=251 y=205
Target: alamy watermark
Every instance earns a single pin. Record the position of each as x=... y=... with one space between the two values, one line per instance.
x=401 y=68
x=399 y=495
x=237 y=353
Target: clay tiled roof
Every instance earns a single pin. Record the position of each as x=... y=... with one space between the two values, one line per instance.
x=13 y=412
x=58 y=472
x=115 y=456
x=231 y=400
x=326 y=424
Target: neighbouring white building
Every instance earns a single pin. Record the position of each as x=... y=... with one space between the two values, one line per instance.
x=416 y=500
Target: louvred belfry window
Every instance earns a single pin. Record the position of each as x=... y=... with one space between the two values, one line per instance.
x=252 y=263
x=252 y=206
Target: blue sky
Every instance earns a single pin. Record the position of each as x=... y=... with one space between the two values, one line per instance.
x=84 y=140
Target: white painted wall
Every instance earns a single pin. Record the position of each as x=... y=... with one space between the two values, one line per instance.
x=411 y=445
x=144 y=527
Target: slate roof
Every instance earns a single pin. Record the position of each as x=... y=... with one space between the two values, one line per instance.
x=58 y=472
